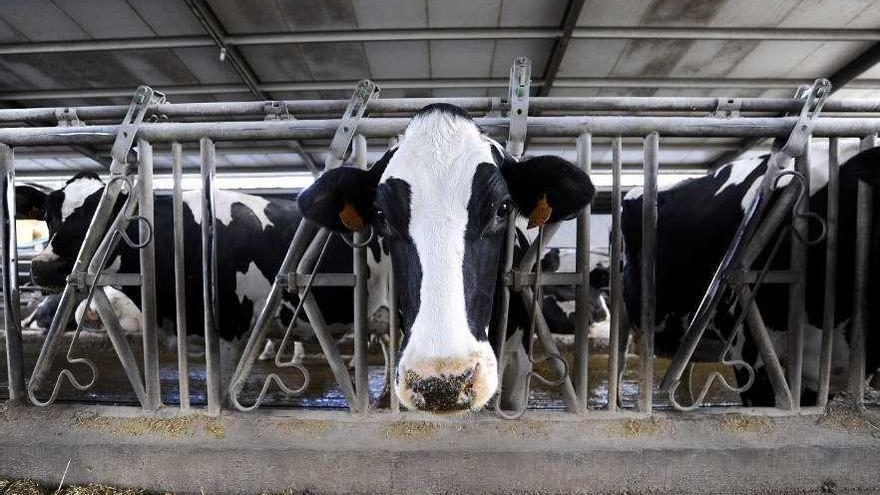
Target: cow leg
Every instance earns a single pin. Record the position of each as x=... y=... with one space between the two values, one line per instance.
x=513 y=374
x=760 y=394
x=230 y=353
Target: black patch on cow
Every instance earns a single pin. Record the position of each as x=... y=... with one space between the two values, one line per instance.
x=30 y=202
x=444 y=108
x=568 y=188
x=394 y=197
x=483 y=240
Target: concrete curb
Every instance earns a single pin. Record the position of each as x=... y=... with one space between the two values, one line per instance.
x=336 y=452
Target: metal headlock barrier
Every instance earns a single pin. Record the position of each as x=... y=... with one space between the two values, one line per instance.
x=149 y=120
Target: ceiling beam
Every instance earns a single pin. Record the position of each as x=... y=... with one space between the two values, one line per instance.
x=451 y=83
x=230 y=53
x=569 y=21
x=845 y=76
x=434 y=34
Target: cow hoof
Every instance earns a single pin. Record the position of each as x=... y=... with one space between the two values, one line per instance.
x=269 y=351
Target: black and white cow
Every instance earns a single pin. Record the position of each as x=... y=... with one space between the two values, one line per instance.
x=697 y=219
x=253 y=233
x=441 y=200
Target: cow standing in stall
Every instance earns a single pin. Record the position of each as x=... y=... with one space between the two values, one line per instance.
x=697 y=219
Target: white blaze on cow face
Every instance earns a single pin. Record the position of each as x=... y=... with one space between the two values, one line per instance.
x=437 y=162
x=76 y=193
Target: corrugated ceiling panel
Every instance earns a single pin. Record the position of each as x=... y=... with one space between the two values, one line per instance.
x=538 y=51
x=106 y=18
x=591 y=58
x=317 y=15
x=712 y=58
x=821 y=13
x=332 y=61
x=168 y=17
x=66 y=70
x=391 y=14
x=463 y=13
x=773 y=59
x=827 y=58
x=154 y=67
x=7 y=33
x=458 y=93
x=461 y=58
x=616 y=13
x=40 y=20
x=277 y=63
x=681 y=13
x=753 y=13
x=398 y=59
x=521 y=13
x=249 y=16
x=205 y=65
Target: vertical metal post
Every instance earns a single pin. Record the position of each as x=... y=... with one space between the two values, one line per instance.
x=361 y=371
x=615 y=278
x=9 y=257
x=179 y=274
x=149 y=333
x=797 y=291
x=582 y=302
x=209 y=276
x=649 y=261
x=864 y=223
x=393 y=324
x=829 y=300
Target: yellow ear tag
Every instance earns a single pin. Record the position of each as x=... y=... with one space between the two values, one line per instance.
x=351 y=219
x=540 y=213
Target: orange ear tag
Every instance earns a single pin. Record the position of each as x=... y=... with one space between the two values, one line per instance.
x=351 y=219
x=540 y=213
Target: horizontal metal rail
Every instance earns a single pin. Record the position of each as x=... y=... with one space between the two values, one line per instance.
x=448 y=83
x=411 y=105
x=436 y=34
x=387 y=127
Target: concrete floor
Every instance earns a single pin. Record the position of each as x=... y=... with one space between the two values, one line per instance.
x=547 y=452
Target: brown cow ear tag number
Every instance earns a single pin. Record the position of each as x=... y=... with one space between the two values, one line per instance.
x=540 y=213
x=351 y=219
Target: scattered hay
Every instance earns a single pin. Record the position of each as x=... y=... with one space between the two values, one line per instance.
x=179 y=427
x=411 y=430
x=24 y=487
x=634 y=428
x=843 y=414
x=307 y=427
x=522 y=428
x=215 y=428
x=98 y=489
x=737 y=423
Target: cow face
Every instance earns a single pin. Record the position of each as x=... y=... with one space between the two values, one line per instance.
x=68 y=213
x=441 y=200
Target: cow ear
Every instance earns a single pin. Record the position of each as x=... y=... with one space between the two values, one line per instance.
x=30 y=203
x=547 y=188
x=341 y=199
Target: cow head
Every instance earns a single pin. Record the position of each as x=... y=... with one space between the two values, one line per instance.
x=68 y=212
x=441 y=200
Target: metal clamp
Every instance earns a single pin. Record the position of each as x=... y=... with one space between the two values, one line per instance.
x=276 y=110
x=727 y=108
x=67 y=117
x=365 y=92
x=520 y=85
x=143 y=99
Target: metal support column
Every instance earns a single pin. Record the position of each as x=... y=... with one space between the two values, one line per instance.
x=798 y=291
x=209 y=277
x=149 y=324
x=582 y=302
x=9 y=257
x=830 y=296
x=360 y=330
x=617 y=307
x=180 y=274
x=649 y=261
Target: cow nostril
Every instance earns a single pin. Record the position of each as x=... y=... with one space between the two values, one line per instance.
x=443 y=392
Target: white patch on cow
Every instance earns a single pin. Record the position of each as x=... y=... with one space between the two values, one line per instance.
x=812 y=355
x=223 y=201
x=114 y=265
x=438 y=158
x=633 y=194
x=377 y=283
x=127 y=312
x=76 y=192
x=252 y=285
x=46 y=255
x=739 y=171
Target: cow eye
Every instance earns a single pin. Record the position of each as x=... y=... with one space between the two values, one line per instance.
x=381 y=221
x=503 y=211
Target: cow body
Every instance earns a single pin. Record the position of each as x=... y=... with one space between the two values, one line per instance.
x=697 y=219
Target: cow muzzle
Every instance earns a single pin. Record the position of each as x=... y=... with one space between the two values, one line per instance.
x=447 y=385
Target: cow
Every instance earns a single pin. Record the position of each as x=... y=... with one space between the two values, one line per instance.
x=442 y=199
x=252 y=234
x=125 y=309
x=697 y=219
